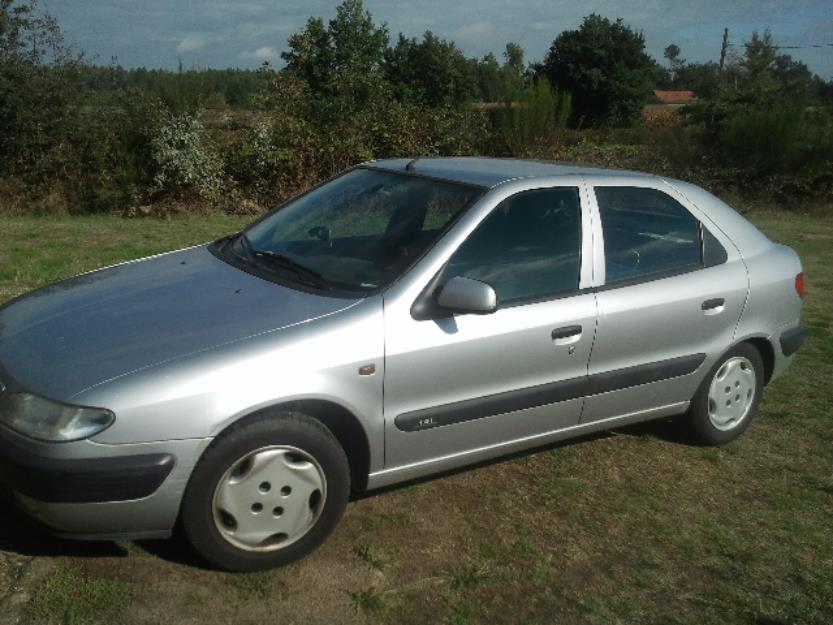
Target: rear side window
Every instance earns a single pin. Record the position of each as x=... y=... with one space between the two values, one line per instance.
x=527 y=249
x=646 y=232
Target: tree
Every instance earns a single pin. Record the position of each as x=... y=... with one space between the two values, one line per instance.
x=604 y=66
x=514 y=57
x=489 y=79
x=672 y=53
x=310 y=54
x=759 y=57
x=433 y=71
x=675 y=63
x=795 y=77
x=703 y=79
x=758 y=116
x=761 y=76
x=39 y=79
x=358 y=44
x=350 y=44
x=513 y=70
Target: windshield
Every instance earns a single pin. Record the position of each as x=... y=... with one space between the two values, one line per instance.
x=356 y=233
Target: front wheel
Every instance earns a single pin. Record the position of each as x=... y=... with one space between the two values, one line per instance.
x=728 y=397
x=266 y=493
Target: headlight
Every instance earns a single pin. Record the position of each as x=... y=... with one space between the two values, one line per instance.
x=48 y=420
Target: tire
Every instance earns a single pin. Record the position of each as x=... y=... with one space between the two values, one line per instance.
x=728 y=398
x=267 y=492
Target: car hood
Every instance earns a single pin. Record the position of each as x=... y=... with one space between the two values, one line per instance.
x=63 y=338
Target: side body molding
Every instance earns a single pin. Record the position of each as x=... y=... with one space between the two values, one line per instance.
x=544 y=394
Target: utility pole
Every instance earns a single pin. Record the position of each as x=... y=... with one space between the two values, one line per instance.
x=724 y=48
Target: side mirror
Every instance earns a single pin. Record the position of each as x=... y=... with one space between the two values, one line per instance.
x=467 y=296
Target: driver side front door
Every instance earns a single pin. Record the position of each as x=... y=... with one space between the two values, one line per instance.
x=461 y=384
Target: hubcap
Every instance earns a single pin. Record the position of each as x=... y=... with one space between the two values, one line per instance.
x=731 y=393
x=269 y=498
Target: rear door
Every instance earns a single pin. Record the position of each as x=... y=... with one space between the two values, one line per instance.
x=671 y=291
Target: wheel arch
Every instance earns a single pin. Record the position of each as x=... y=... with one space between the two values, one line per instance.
x=767 y=352
x=341 y=422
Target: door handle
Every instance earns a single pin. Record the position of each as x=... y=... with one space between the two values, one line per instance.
x=713 y=306
x=566 y=335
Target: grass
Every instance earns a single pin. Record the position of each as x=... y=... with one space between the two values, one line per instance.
x=369 y=601
x=636 y=527
x=36 y=251
x=467 y=576
x=256 y=586
x=70 y=597
x=373 y=555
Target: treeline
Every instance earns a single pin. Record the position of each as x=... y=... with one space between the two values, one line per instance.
x=759 y=54
x=435 y=71
x=75 y=137
x=430 y=70
x=182 y=90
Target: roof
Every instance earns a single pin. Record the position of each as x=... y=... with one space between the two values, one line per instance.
x=489 y=172
x=674 y=97
x=494 y=171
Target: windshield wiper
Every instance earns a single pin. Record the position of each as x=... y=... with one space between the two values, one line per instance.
x=304 y=273
x=289 y=263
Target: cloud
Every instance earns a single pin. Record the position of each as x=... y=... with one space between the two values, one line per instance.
x=264 y=53
x=154 y=33
x=191 y=43
x=224 y=10
x=474 y=34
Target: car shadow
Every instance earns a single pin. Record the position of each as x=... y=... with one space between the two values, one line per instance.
x=175 y=550
x=24 y=536
x=21 y=535
x=670 y=430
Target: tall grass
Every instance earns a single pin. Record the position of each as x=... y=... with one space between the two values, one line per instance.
x=532 y=118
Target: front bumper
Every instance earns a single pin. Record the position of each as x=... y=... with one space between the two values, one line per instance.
x=90 y=490
x=88 y=480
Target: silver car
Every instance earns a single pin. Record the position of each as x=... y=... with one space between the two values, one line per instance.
x=404 y=318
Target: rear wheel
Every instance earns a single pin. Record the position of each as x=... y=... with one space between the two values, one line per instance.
x=266 y=493
x=728 y=397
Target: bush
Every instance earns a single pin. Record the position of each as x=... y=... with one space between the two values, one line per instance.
x=781 y=139
x=107 y=157
x=184 y=164
x=302 y=139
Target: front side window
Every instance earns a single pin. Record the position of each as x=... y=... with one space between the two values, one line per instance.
x=646 y=232
x=356 y=233
x=527 y=249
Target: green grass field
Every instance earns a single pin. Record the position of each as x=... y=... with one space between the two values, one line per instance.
x=634 y=526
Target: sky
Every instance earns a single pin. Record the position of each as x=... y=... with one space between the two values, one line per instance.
x=244 y=33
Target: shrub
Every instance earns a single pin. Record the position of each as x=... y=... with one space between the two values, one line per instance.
x=781 y=139
x=302 y=139
x=184 y=164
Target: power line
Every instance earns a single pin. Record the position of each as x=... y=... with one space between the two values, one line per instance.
x=808 y=46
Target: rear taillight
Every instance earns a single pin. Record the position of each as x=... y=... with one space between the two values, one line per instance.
x=799 y=285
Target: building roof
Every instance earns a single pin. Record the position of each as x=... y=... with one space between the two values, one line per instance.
x=489 y=172
x=674 y=97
